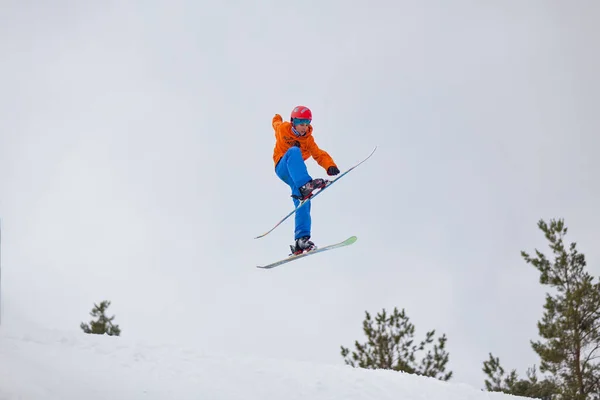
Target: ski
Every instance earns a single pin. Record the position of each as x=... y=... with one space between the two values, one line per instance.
x=344 y=243
x=315 y=195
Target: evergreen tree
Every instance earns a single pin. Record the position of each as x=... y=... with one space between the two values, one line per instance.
x=102 y=325
x=511 y=384
x=570 y=327
x=390 y=345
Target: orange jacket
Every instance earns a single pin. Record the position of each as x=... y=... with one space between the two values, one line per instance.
x=285 y=139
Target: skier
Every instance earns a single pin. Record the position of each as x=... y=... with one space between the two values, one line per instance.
x=294 y=144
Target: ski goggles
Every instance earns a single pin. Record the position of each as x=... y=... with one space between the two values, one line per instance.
x=301 y=121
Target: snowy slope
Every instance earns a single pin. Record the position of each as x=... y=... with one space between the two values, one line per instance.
x=38 y=364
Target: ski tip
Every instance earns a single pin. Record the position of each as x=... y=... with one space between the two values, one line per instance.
x=350 y=240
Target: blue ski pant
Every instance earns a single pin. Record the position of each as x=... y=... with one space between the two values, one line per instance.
x=292 y=170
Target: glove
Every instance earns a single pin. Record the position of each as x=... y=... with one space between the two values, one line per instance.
x=333 y=170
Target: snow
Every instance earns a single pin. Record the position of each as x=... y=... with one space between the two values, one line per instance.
x=40 y=364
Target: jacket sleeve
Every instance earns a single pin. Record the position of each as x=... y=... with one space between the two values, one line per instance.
x=277 y=120
x=321 y=156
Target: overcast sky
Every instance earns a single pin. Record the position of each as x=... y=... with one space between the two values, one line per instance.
x=136 y=166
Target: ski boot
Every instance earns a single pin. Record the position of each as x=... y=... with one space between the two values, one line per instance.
x=302 y=245
x=306 y=191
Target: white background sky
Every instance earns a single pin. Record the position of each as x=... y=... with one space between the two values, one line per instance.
x=136 y=166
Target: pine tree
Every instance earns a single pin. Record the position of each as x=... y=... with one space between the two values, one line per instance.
x=511 y=384
x=390 y=346
x=570 y=327
x=102 y=325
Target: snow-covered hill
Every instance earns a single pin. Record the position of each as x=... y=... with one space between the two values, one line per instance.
x=37 y=364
